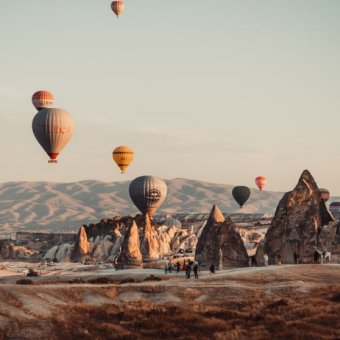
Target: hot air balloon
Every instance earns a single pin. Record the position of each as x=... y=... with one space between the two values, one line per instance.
x=53 y=129
x=148 y=193
x=334 y=208
x=42 y=100
x=123 y=156
x=324 y=194
x=173 y=222
x=260 y=182
x=241 y=195
x=118 y=7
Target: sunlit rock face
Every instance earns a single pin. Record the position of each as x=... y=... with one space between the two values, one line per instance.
x=82 y=246
x=220 y=243
x=130 y=255
x=149 y=245
x=298 y=224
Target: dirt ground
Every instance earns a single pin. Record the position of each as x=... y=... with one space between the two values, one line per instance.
x=72 y=301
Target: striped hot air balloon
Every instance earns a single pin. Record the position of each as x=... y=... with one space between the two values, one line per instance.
x=123 y=156
x=52 y=128
x=118 y=7
x=42 y=100
x=260 y=182
x=148 y=193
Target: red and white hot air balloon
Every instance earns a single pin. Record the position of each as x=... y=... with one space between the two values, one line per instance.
x=324 y=194
x=52 y=128
x=118 y=7
x=260 y=182
x=42 y=100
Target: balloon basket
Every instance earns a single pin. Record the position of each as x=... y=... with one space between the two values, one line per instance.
x=52 y=161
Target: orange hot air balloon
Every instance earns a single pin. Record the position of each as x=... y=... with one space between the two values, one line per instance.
x=118 y=7
x=42 y=100
x=324 y=194
x=123 y=156
x=260 y=182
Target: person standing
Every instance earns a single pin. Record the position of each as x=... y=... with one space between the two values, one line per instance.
x=195 y=269
x=188 y=271
x=265 y=258
x=170 y=267
x=212 y=269
x=295 y=257
x=178 y=266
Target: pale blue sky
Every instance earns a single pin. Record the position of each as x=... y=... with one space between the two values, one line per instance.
x=218 y=90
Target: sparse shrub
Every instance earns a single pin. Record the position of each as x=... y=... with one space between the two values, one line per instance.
x=76 y=281
x=100 y=280
x=153 y=278
x=335 y=297
x=24 y=282
x=128 y=280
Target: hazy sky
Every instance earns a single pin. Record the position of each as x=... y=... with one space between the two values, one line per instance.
x=217 y=90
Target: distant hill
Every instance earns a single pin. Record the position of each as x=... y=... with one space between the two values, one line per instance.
x=66 y=206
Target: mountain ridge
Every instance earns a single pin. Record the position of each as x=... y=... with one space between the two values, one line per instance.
x=65 y=206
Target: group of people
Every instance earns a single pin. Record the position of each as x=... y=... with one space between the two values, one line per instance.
x=322 y=256
x=187 y=266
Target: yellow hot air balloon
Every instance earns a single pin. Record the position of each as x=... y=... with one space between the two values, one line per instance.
x=123 y=156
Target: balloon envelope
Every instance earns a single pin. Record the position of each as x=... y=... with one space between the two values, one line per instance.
x=334 y=208
x=260 y=182
x=118 y=7
x=148 y=193
x=42 y=100
x=123 y=156
x=173 y=222
x=241 y=195
x=324 y=194
x=52 y=128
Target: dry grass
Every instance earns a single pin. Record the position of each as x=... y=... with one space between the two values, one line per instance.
x=315 y=316
x=227 y=312
x=258 y=317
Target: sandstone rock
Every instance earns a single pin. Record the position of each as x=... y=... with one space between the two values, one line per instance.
x=130 y=255
x=82 y=246
x=298 y=223
x=220 y=243
x=61 y=253
x=148 y=237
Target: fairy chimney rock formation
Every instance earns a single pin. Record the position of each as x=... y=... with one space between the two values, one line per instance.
x=148 y=237
x=130 y=255
x=220 y=243
x=82 y=246
x=297 y=224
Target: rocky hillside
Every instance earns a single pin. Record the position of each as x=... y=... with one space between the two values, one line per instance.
x=66 y=206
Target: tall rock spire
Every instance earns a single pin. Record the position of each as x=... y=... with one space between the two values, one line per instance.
x=297 y=224
x=130 y=254
x=220 y=243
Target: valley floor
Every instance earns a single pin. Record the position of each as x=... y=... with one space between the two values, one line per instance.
x=72 y=301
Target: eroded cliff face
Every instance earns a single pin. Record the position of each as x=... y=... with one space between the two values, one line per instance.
x=130 y=255
x=298 y=224
x=149 y=244
x=82 y=246
x=220 y=243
